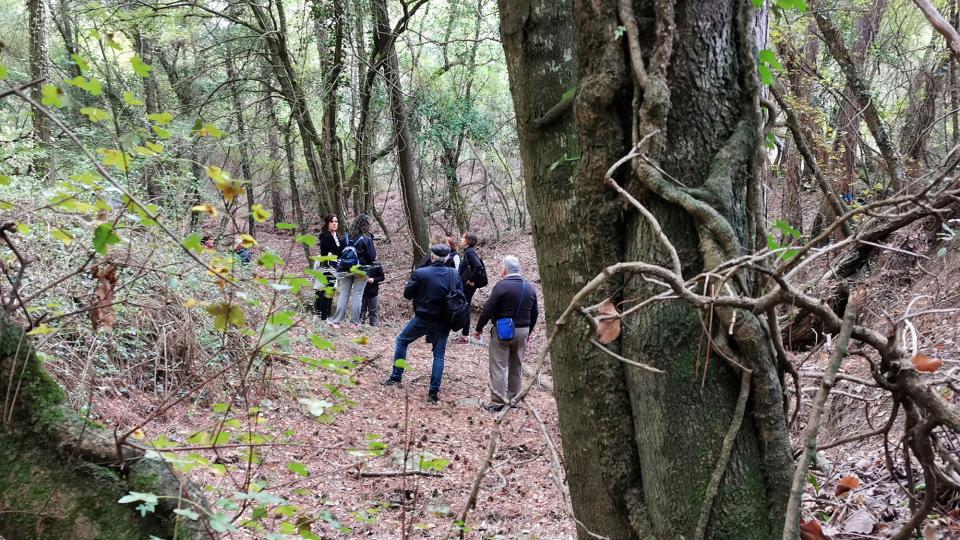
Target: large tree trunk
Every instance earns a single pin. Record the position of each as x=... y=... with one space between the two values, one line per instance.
x=330 y=49
x=409 y=189
x=59 y=472
x=640 y=448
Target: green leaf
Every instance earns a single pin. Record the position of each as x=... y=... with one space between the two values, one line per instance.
x=41 y=330
x=51 y=96
x=91 y=86
x=282 y=318
x=321 y=343
x=23 y=228
x=786 y=229
x=95 y=114
x=770 y=58
x=572 y=91
x=115 y=158
x=3 y=72
x=772 y=243
x=400 y=363
x=211 y=130
x=131 y=99
x=5 y=180
x=82 y=64
x=259 y=213
x=141 y=67
x=757 y=3
x=766 y=76
x=104 y=236
x=307 y=240
x=148 y=501
x=187 y=513
x=269 y=260
x=221 y=407
x=192 y=243
x=161 y=118
x=160 y=132
x=286 y=226
x=221 y=522
x=319 y=276
x=224 y=314
x=298 y=468
x=62 y=236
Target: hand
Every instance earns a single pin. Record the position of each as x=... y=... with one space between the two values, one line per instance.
x=370 y=280
x=476 y=335
x=470 y=283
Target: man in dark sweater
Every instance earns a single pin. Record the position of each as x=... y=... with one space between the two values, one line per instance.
x=512 y=298
x=428 y=288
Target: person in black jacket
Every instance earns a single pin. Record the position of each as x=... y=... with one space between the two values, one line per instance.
x=428 y=288
x=350 y=285
x=331 y=244
x=370 y=308
x=471 y=267
x=512 y=298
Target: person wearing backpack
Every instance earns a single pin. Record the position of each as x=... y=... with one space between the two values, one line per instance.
x=438 y=307
x=512 y=307
x=331 y=244
x=370 y=308
x=473 y=274
x=358 y=254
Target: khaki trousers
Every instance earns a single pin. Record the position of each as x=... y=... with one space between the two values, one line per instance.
x=506 y=370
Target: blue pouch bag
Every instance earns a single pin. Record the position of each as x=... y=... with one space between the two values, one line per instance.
x=506 y=328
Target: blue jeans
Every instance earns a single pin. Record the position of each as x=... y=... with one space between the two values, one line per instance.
x=414 y=330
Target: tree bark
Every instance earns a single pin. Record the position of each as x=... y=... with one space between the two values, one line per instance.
x=58 y=476
x=244 y=137
x=641 y=448
x=40 y=69
x=409 y=189
x=151 y=98
x=331 y=62
x=273 y=151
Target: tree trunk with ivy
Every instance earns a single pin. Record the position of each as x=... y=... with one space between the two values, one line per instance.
x=640 y=447
x=61 y=477
x=40 y=69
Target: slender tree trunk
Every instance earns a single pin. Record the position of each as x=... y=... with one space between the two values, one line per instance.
x=276 y=42
x=921 y=113
x=273 y=152
x=40 y=69
x=61 y=17
x=862 y=96
x=151 y=98
x=641 y=448
x=330 y=49
x=413 y=209
x=296 y=207
x=244 y=137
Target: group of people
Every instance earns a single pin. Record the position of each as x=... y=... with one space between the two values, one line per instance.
x=450 y=273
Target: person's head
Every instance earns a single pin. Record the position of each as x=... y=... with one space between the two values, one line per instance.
x=510 y=265
x=207 y=242
x=330 y=224
x=468 y=240
x=439 y=252
x=361 y=226
x=452 y=243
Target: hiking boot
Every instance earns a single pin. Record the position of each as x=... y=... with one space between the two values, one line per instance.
x=391 y=382
x=433 y=398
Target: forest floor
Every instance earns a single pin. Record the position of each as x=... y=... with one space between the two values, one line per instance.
x=518 y=498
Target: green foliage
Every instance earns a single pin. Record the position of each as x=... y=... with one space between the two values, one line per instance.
x=767 y=64
x=103 y=236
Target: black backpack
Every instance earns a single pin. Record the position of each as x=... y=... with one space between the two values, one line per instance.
x=456 y=308
x=478 y=275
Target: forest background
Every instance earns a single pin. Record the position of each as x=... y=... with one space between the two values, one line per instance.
x=593 y=136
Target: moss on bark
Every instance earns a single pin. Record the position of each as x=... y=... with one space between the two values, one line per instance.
x=56 y=474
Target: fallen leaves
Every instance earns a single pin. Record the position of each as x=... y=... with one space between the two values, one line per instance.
x=861 y=522
x=847 y=483
x=811 y=530
x=608 y=323
x=102 y=315
x=926 y=364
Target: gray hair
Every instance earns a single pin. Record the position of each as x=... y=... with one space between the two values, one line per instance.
x=511 y=264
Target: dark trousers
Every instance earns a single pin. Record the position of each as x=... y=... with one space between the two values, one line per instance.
x=468 y=292
x=436 y=336
x=322 y=305
x=370 y=310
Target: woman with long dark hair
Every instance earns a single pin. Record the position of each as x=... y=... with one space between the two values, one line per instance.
x=359 y=250
x=331 y=244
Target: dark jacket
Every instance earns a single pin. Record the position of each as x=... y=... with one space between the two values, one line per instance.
x=328 y=246
x=503 y=302
x=470 y=265
x=373 y=289
x=425 y=262
x=366 y=251
x=428 y=288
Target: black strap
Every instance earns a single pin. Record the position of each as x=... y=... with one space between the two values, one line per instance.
x=523 y=297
